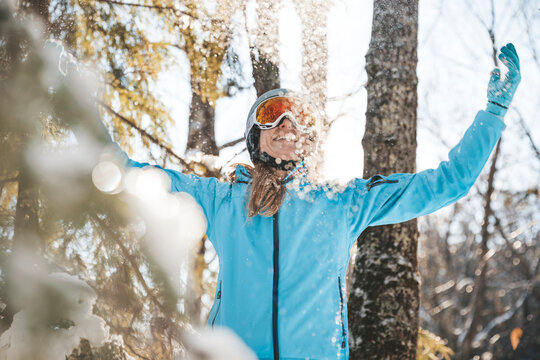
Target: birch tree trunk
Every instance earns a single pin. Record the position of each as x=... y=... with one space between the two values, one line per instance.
x=383 y=304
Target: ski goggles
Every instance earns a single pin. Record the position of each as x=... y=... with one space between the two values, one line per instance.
x=271 y=112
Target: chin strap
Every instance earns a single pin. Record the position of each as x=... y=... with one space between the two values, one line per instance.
x=256 y=156
x=278 y=164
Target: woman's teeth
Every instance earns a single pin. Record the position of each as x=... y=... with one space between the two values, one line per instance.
x=288 y=137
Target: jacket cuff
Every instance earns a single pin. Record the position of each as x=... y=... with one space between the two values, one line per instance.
x=484 y=118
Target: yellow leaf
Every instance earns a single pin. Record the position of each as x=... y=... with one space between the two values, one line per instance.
x=515 y=335
x=431 y=346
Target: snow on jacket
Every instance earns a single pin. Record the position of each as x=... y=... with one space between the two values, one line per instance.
x=281 y=278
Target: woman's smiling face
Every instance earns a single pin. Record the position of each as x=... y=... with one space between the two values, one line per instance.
x=285 y=142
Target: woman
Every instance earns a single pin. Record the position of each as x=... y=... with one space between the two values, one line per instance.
x=283 y=250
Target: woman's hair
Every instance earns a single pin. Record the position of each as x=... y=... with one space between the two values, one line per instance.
x=267 y=190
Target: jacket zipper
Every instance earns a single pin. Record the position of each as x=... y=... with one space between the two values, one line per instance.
x=343 y=343
x=275 y=340
x=218 y=297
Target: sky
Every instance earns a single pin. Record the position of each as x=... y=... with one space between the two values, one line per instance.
x=454 y=66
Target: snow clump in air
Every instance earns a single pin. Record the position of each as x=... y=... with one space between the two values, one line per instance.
x=174 y=222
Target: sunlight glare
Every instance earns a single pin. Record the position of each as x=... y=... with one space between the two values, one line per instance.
x=107 y=177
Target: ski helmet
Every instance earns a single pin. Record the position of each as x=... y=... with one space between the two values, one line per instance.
x=253 y=128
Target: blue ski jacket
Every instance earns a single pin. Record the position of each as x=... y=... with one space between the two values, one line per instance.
x=281 y=278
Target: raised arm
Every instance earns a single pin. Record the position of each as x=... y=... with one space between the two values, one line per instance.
x=90 y=129
x=401 y=197
x=413 y=195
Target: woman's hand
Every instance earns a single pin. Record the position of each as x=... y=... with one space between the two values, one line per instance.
x=500 y=92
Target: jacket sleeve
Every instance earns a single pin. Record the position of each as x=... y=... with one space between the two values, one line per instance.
x=202 y=189
x=401 y=197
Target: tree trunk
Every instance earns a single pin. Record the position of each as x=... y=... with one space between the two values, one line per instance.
x=265 y=53
x=201 y=134
x=313 y=16
x=384 y=300
x=480 y=282
x=26 y=239
x=26 y=225
x=205 y=49
x=478 y=298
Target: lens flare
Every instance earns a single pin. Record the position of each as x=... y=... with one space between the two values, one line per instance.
x=107 y=177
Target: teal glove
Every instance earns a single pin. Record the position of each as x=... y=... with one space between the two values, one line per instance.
x=500 y=92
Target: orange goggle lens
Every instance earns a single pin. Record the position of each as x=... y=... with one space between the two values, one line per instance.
x=270 y=113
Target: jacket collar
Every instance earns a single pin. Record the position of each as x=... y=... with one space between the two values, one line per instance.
x=299 y=172
x=242 y=175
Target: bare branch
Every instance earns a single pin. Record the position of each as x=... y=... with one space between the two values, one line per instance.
x=489 y=28
x=530 y=37
x=105 y=227
x=477 y=16
x=230 y=143
x=528 y=133
x=232 y=158
x=481 y=336
x=144 y=133
x=445 y=240
x=8 y=180
x=491 y=31
x=523 y=262
x=349 y=94
x=196 y=167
